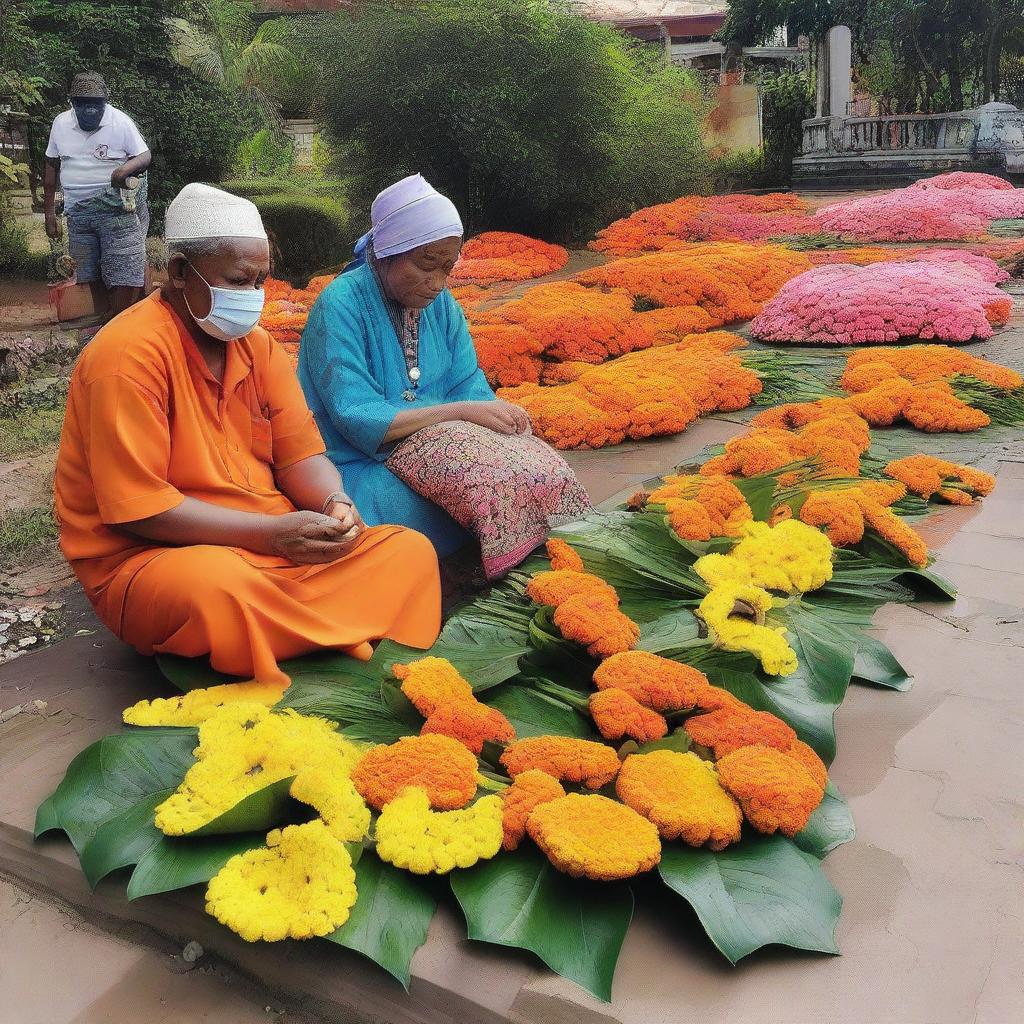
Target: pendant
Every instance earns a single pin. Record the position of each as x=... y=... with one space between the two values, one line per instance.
x=408 y=395
x=414 y=374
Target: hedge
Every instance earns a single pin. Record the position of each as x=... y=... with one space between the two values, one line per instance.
x=309 y=234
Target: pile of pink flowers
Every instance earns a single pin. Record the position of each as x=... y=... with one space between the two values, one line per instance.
x=847 y=305
x=949 y=207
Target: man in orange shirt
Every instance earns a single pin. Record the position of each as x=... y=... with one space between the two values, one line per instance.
x=196 y=504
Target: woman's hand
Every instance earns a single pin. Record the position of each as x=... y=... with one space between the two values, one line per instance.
x=348 y=515
x=310 y=538
x=499 y=416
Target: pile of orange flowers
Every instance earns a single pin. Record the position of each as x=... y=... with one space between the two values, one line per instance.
x=507 y=256
x=706 y=218
x=728 y=281
x=645 y=394
x=286 y=310
x=699 y=507
x=928 y=477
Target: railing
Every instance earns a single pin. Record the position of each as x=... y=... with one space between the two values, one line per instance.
x=889 y=133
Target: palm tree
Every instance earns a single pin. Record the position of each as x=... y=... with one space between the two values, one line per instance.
x=225 y=44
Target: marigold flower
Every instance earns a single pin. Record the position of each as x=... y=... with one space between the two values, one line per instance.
x=926 y=476
x=196 y=706
x=594 y=621
x=558 y=585
x=563 y=555
x=791 y=556
x=702 y=507
x=439 y=765
x=736 y=632
x=922 y=364
x=302 y=885
x=728 y=729
x=564 y=758
x=432 y=682
x=413 y=837
x=837 y=513
x=507 y=256
x=776 y=791
x=471 y=723
x=530 y=789
x=681 y=794
x=893 y=529
x=655 y=682
x=617 y=713
x=594 y=837
x=807 y=756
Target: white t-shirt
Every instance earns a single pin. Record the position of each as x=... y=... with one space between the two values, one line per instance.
x=87 y=159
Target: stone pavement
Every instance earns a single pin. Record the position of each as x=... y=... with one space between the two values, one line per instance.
x=931 y=931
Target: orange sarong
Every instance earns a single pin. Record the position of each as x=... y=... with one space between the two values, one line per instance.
x=147 y=424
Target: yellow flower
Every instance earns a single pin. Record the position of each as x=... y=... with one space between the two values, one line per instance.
x=335 y=798
x=196 y=706
x=302 y=885
x=413 y=837
x=681 y=794
x=594 y=837
x=734 y=632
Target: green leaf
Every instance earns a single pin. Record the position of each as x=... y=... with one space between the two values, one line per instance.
x=537 y=714
x=877 y=664
x=673 y=632
x=390 y=919
x=123 y=840
x=257 y=812
x=113 y=775
x=830 y=825
x=178 y=863
x=762 y=891
x=679 y=741
x=191 y=673
x=576 y=927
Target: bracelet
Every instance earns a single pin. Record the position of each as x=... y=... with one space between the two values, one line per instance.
x=333 y=499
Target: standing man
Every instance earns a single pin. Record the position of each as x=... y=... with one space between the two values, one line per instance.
x=94 y=148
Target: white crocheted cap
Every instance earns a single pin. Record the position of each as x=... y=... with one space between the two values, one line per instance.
x=201 y=211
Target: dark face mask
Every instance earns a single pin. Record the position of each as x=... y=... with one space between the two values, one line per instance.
x=89 y=113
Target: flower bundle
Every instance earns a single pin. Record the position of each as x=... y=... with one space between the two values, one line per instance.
x=922 y=364
x=507 y=256
x=929 y=477
x=984 y=265
x=957 y=180
x=286 y=310
x=645 y=394
x=196 y=706
x=729 y=281
x=701 y=507
x=705 y=218
x=849 y=305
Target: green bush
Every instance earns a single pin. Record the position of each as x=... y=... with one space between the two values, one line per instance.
x=16 y=258
x=254 y=188
x=735 y=172
x=264 y=155
x=309 y=234
x=527 y=115
x=786 y=102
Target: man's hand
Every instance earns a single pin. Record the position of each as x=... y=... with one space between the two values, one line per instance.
x=119 y=176
x=54 y=228
x=309 y=538
x=348 y=515
x=501 y=417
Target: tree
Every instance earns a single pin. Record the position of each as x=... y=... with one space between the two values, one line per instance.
x=530 y=117
x=192 y=126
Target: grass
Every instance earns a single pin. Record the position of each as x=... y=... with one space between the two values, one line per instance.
x=29 y=433
x=24 y=529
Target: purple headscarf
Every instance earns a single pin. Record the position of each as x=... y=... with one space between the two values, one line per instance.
x=409 y=214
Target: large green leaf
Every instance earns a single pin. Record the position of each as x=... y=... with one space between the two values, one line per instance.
x=390 y=919
x=123 y=840
x=830 y=826
x=877 y=664
x=537 y=714
x=113 y=775
x=257 y=812
x=191 y=673
x=764 y=890
x=575 y=927
x=178 y=863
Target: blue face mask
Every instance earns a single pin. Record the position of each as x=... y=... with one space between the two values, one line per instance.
x=89 y=112
x=234 y=312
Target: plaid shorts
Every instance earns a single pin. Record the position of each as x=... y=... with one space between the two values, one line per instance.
x=107 y=242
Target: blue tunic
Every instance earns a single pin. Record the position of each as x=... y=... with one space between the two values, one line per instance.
x=352 y=370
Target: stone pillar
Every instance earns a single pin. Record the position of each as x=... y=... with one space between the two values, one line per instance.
x=840 y=65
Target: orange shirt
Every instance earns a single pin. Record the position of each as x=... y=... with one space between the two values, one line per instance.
x=147 y=425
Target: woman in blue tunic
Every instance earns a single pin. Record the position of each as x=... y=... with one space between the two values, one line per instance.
x=389 y=369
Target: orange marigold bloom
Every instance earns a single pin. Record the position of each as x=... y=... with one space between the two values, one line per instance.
x=563 y=555
x=594 y=621
x=896 y=532
x=507 y=256
x=776 y=791
x=438 y=764
x=529 y=790
x=920 y=364
x=935 y=409
x=702 y=507
x=730 y=728
x=806 y=755
x=617 y=713
x=837 y=513
x=557 y=585
x=471 y=723
x=563 y=757
x=655 y=682
x=432 y=682
x=926 y=475
x=681 y=794
x=594 y=837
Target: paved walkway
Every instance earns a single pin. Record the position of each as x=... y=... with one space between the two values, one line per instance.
x=931 y=931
